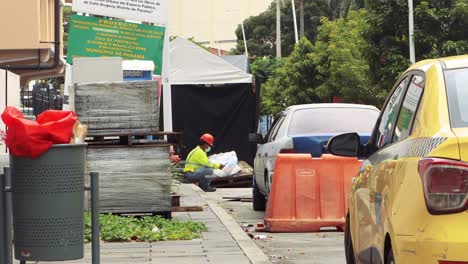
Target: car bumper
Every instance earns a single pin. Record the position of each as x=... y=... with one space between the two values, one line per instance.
x=443 y=240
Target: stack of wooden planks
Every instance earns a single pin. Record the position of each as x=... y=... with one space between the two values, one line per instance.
x=132 y=179
x=126 y=146
x=116 y=108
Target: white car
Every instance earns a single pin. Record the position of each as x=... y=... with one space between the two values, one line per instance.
x=306 y=129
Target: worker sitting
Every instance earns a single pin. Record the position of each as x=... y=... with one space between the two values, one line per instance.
x=198 y=167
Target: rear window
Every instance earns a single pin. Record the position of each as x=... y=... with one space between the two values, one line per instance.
x=457 y=89
x=332 y=121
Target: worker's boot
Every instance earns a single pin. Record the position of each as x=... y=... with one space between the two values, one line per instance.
x=210 y=189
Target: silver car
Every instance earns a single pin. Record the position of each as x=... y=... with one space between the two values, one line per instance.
x=306 y=129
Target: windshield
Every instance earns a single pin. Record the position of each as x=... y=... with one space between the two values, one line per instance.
x=332 y=120
x=457 y=89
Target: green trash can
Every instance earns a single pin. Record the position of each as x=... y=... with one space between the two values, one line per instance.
x=48 y=221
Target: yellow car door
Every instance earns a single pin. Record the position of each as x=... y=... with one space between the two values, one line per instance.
x=364 y=191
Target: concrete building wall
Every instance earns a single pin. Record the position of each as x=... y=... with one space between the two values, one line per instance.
x=212 y=22
x=26 y=24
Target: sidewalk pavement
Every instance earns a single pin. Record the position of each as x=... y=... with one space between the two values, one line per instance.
x=224 y=243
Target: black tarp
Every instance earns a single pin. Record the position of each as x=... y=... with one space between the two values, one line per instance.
x=228 y=112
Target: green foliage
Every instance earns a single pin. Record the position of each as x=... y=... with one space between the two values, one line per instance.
x=264 y=68
x=339 y=55
x=292 y=83
x=118 y=228
x=340 y=8
x=67 y=12
x=440 y=30
x=335 y=65
x=261 y=30
x=358 y=55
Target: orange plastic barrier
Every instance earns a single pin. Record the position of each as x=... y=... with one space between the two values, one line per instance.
x=308 y=194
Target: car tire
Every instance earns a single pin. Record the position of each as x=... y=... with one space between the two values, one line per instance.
x=390 y=257
x=349 y=249
x=259 y=201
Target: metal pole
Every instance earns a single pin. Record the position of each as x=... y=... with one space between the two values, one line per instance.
x=411 y=32
x=296 y=34
x=95 y=218
x=301 y=15
x=6 y=193
x=245 y=40
x=2 y=221
x=278 y=29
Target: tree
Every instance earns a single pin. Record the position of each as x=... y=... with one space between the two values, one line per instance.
x=301 y=19
x=261 y=30
x=340 y=62
x=335 y=65
x=264 y=68
x=292 y=83
x=67 y=12
x=340 y=8
x=440 y=30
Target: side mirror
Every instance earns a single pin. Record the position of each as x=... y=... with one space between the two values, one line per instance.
x=256 y=138
x=346 y=145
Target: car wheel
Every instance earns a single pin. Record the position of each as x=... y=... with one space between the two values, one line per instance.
x=390 y=257
x=349 y=249
x=259 y=200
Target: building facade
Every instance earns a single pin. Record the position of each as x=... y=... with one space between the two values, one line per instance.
x=212 y=22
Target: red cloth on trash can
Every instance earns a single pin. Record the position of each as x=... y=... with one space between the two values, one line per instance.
x=26 y=138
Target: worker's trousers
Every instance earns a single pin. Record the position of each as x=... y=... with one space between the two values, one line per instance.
x=202 y=175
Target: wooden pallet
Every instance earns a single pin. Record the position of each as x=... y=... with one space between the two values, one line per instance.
x=131 y=139
x=117 y=107
x=132 y=179
x=163 y=214
x=235 y=181
x=175 y=200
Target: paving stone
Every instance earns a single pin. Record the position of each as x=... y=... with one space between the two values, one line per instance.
x=216 y=246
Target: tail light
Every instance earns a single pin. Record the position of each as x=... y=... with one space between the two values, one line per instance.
x=452 y=262
x=287 y=151
x=445 y=185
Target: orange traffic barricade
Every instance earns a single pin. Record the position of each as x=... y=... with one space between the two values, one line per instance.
x=309 y=193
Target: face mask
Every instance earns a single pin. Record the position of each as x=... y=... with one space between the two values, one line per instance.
x=208 y=149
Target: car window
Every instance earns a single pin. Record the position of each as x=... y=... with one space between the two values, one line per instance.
x=270 y=131
x=332 y=120
x=389 y=115
x=276 y=128
x=457 y=90
x=408 y=109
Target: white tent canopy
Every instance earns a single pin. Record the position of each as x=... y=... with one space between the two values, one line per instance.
x=191 y=64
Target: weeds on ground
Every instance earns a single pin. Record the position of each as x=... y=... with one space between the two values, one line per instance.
x=149 y=228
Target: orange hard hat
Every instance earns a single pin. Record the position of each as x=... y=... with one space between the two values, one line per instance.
x=208 y=139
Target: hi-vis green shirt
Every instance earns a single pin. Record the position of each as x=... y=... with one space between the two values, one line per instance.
x=198 y=159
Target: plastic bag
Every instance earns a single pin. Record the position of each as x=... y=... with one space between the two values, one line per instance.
x=229 y=159
x=79 y=133
x=26 y=138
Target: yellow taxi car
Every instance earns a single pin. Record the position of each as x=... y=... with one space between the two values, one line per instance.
x=409 y=202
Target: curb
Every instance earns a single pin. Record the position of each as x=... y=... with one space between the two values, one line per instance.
x=250 y=249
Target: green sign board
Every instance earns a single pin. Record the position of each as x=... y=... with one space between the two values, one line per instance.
x=99 y=37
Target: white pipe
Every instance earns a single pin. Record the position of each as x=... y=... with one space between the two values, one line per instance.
x=411 y=32
x=278 y=29
x=245 y=39
x=295 y=21
x=167 y=90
